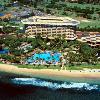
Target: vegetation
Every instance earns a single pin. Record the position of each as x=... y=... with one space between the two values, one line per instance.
x=75 y=10
x=86 y=9
x=74 y=52
x=89 y=26
x=78 y=67
x=77 y=53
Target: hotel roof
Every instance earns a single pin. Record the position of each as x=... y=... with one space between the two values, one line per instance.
x=50 y=20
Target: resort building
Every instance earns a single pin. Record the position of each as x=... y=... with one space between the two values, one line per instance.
x=92 y=38
x=25 y=46
x=51 y=27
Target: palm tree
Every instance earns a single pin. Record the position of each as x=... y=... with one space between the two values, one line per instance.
x=17 y=32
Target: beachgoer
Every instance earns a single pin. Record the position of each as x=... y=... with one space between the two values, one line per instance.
x=63 y=62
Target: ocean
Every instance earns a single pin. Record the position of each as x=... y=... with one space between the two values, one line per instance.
x=20 y=88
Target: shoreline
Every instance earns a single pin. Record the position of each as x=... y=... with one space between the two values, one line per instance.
x=86 y=73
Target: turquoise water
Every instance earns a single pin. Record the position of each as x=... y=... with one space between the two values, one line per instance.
x=74 y=79
x=45 y=56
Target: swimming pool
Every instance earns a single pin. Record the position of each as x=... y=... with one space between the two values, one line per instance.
x=45 y=56
x=1 y=14
x=4 y=51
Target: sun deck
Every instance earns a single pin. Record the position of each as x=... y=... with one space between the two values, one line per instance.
x=50 y=20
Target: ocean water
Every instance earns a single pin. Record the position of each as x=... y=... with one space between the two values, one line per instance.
x=47 y=89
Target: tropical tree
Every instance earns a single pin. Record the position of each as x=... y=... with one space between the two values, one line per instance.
x=71 y=58
x=87 y=52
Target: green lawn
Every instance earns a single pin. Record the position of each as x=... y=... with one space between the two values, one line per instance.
x=1 y=63
x=3 y=2
x=78 y=67
x=39 y=66
x=92 y=24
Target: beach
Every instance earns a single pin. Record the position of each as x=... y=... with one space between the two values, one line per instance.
x=86 y=73
x=55 y=85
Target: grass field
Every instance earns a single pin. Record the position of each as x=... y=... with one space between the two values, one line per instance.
x=92 y=24
x=76 y=67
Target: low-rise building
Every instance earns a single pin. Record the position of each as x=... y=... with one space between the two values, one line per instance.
x=92 y=38
x=25 y=46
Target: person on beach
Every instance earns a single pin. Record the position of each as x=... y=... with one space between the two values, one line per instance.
x=63 y=62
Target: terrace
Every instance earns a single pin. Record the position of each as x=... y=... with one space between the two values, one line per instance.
x=50 y=20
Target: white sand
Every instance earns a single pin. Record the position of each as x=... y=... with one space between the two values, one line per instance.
x=50 y=72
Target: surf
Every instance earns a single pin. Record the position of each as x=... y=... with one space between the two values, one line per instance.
x=55 y=84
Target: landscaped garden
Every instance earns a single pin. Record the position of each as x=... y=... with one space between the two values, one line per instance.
x=89 y=12
x=74 y=52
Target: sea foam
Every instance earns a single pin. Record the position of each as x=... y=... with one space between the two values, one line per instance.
x=54 y=85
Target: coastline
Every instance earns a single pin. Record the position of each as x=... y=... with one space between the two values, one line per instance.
x=86 y=73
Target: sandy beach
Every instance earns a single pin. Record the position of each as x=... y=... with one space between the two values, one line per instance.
x=86 y=73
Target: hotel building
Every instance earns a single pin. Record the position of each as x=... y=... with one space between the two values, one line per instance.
x=92 y=38
x=51 y=27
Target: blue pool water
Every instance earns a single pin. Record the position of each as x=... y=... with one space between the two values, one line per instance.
x=45 y=56
x=1 y=14
x=4 y=51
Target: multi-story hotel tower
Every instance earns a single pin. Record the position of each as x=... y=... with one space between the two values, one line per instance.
x=51 y=27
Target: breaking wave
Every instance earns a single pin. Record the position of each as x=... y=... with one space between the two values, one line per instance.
x=54 y=84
